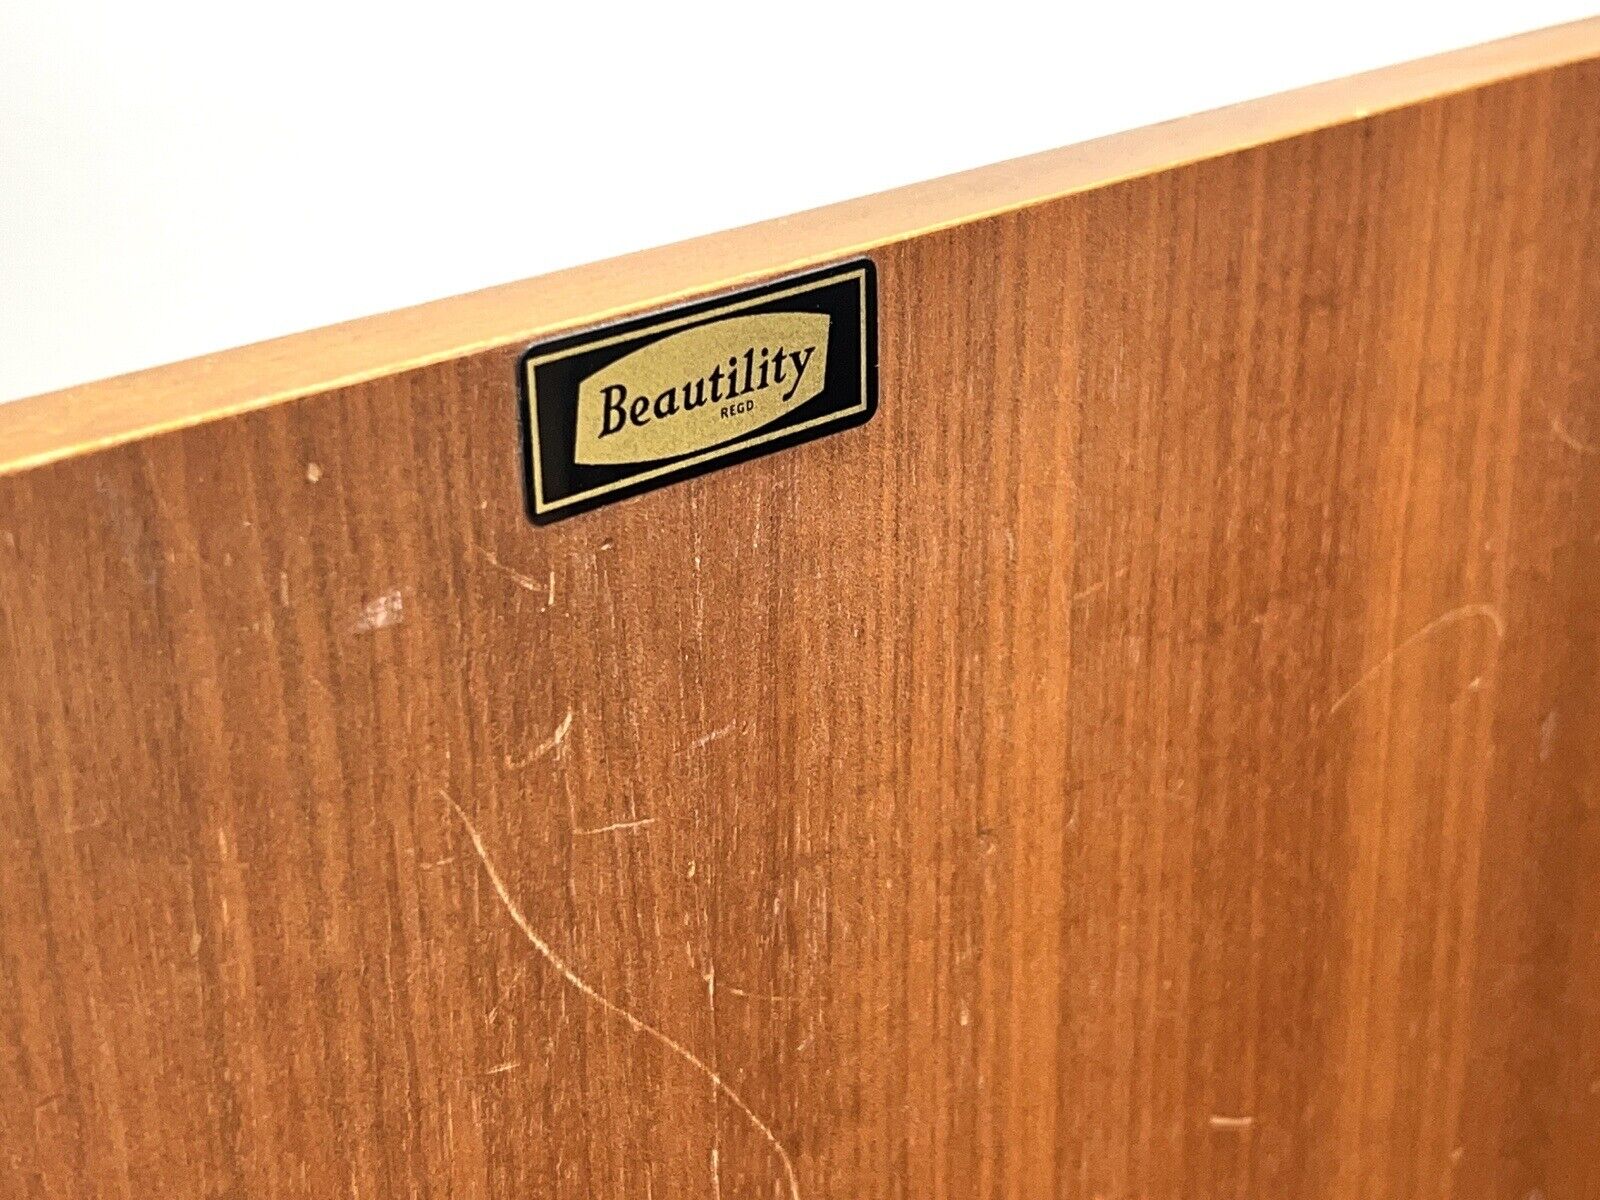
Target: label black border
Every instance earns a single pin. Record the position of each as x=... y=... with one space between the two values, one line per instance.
x=737 y=452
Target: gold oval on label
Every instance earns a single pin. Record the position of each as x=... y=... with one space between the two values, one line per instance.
x=699 y=388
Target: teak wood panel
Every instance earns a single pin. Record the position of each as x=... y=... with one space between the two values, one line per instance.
x=1155 y=757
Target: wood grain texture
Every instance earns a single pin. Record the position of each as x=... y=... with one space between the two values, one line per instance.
x=1156 y=757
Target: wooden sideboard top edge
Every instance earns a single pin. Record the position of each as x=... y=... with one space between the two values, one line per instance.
x=93 y=416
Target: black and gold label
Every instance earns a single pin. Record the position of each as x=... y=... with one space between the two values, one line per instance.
x=618 y=410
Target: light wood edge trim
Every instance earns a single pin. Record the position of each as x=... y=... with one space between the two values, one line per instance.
x=81 y=420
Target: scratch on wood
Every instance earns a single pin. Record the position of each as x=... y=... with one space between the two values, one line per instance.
x=617 y=827
x=1547 y=736
x=1487 y=611
x=635 y=1023
x=772 y=996
x=1231 y=1124
x=525 y=582
x=1559 y=428
x=74 y=826
x=706 y=739
x=556 y=741
x=1098 y=585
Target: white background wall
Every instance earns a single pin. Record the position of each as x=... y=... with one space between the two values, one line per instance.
x=177 y=177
